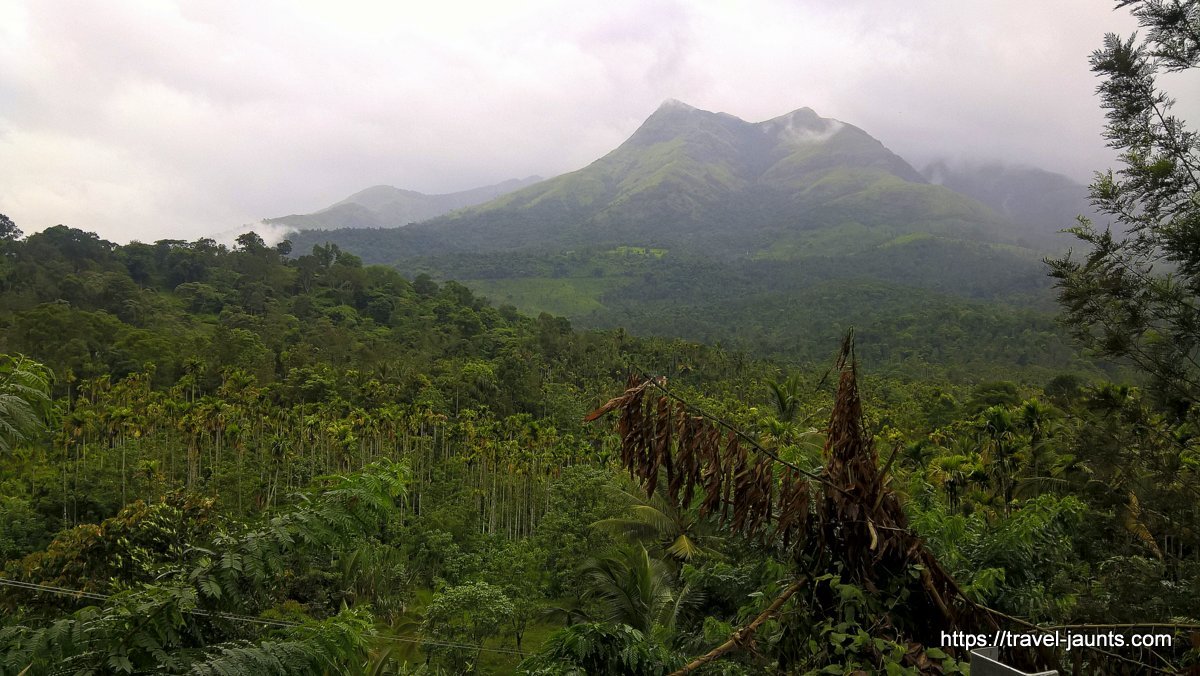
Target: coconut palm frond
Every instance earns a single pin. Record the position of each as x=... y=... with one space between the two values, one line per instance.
x=684 y=548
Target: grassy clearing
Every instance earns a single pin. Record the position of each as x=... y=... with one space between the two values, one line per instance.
x=847 y=237
x=638 y=251
x=567 y=296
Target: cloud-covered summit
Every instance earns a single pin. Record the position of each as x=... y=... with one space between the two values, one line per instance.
x=148 y=120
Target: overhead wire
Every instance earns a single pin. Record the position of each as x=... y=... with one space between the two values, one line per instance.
x=79 y=593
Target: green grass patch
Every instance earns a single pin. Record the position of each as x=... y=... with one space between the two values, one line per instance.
x=637 y=251
x=567 y=296
x=838 y=240
x=907 y=239
x=1019 y=251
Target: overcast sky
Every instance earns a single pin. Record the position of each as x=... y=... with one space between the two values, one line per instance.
x=157 y=119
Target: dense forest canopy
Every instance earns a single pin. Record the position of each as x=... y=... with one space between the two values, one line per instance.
x=259 y=459
x=222 y=417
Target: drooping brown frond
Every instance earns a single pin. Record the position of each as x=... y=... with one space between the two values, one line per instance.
x=793 y=506
x=858 y=519
x=686 y=470
x=714 y=471
x=662 y=441
x=660 y=452
x=634 y=388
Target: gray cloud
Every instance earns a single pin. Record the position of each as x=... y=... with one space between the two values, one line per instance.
x=150 y=120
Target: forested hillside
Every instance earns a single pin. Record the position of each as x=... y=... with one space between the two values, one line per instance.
x=258 y=463
x=775 y=237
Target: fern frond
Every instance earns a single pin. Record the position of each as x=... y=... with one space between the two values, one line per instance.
x=315 y=648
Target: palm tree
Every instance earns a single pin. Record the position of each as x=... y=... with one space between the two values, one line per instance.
x=786 y=428
x=1038 y=421
x=999 y=451
x=785 y=395
x=25 y=402
x=657 y=521
x=636 y=590
x=955 y=473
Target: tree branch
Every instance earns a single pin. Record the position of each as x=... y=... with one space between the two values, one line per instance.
x=739 y=637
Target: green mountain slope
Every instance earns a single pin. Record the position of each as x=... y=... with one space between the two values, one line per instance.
x=700 y=216
x=701 y=178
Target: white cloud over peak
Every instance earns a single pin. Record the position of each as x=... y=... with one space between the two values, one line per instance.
x=156 y=119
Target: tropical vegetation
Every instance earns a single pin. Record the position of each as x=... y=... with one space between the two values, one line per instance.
x=258 y=459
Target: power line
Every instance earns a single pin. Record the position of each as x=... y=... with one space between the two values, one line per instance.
x=57 y=590
x=422 y=641
x=654 y=381
x=78 y=593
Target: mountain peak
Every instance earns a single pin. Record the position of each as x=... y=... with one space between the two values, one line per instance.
x=706 y=132
x=673 y=118
x=802 y=126
x=805 y=115
x=675 y=104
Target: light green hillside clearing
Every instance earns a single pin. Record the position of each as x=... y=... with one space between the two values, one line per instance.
x=845 y=238
x=637 y=251
x=566 y=296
